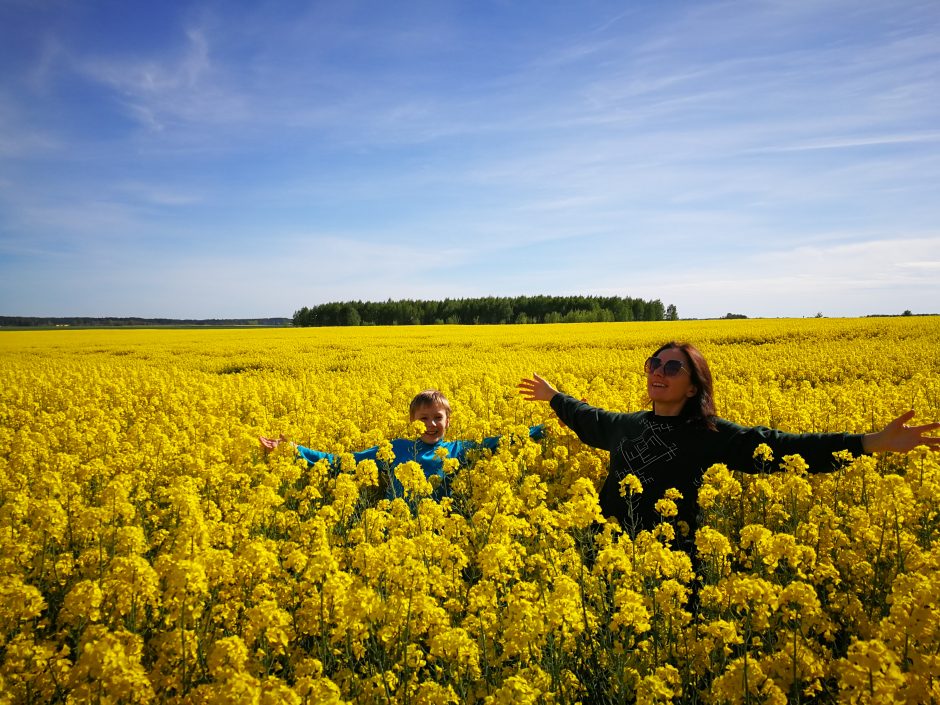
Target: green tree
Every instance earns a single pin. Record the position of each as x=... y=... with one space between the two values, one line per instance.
x=349 y=316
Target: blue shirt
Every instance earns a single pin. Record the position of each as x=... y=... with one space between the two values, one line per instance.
x=424 y=454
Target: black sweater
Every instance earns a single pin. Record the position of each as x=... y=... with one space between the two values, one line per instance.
x=670 y=451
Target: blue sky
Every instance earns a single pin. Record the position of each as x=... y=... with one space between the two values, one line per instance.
x=223 y=159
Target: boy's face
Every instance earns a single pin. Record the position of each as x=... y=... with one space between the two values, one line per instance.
x=435 y=420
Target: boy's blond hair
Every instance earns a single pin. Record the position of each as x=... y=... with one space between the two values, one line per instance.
x=429 y=397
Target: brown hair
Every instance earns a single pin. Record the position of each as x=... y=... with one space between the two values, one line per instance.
x=700 y=408
x=429 y=397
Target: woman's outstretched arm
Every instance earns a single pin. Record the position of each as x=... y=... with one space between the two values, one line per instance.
x=899 y=437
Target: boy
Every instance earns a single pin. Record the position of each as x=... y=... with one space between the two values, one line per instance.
x=431 y=408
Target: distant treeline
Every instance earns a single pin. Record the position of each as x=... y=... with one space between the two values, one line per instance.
x=116 y=322
x=489 y=310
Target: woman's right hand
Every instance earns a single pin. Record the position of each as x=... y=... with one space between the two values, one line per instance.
x=536 y=389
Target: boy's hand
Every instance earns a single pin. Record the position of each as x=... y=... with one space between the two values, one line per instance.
x=536 y=389
x=271 y=443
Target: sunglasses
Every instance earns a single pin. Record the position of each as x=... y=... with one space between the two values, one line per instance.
x=670 y=367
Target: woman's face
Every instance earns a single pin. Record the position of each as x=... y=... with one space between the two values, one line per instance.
x=669 y=393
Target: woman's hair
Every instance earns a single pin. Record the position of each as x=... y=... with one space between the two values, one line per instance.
x=698 y=409
x=429 y=397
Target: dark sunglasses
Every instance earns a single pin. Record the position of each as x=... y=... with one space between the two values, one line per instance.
x=670 y=367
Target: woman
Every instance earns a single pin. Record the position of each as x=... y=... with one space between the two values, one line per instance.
x=673 y=445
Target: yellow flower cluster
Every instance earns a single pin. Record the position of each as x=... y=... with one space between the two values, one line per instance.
x=151 y=552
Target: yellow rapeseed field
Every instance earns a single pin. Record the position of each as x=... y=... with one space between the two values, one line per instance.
x=152 y=553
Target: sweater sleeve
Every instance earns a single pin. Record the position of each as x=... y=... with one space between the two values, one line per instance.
x=815 y=448
x=594 y=426
x=313 y=456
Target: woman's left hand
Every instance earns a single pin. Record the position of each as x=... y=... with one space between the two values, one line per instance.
x=898 y=436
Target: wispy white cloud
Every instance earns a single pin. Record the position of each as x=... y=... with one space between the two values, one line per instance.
x=916 y=137
x=80 y=224
x=159 y=194
x=185 y=87
x=930 y=265
x=842 y=279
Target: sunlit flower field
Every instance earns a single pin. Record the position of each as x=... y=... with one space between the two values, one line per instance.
x=150 y=552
